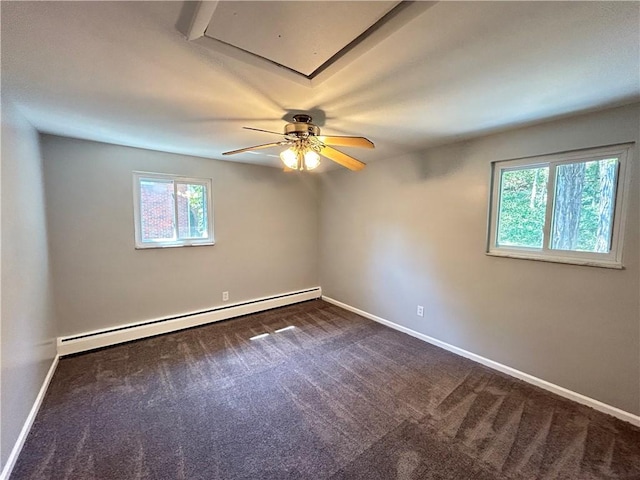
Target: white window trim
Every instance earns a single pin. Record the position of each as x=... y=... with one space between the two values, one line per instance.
x=613 y=259
x=192 y=242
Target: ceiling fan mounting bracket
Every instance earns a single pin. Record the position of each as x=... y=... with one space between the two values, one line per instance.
x=302 y=118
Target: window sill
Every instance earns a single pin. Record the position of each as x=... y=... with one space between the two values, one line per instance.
x=568 y=260
x=179 y=245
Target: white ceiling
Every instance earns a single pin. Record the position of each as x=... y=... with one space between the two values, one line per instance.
x=123 y=72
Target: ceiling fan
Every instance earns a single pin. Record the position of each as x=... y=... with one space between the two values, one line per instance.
x=306 y=145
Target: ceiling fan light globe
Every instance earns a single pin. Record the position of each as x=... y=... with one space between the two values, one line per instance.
x=311 y=160
x=289 y=158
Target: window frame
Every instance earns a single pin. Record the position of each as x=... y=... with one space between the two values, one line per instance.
x=612 y=259
x=175 y=180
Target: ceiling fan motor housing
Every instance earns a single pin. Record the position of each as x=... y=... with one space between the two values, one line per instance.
x=301 y=127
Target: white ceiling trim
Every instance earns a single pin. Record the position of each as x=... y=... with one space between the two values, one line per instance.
x=203 y=15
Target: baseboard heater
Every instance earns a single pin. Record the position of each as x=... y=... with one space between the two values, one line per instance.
x=134 y=331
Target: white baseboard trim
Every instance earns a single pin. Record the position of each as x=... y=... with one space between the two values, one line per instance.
x=538 y=382
x=22 y=437
x=134 y=331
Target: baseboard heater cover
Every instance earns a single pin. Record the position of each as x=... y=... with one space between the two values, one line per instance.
x=134 y=331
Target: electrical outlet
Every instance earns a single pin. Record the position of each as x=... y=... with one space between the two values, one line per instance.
x=420 y=311
x=225 y=296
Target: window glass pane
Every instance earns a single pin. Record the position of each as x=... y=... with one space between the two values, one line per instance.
x=523 y=202
x=192 y=211
x=156 y=210
x=583 y=206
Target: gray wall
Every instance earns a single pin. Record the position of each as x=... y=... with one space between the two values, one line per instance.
x=26 y=314
x=403 y=232
x=265 y=226
x=412 y=230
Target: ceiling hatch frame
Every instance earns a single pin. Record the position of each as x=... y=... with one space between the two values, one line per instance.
x=393 y=20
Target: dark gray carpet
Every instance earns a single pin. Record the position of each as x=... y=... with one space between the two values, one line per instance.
x=337 y=397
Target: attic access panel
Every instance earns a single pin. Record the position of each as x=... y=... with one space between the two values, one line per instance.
x=302 y=36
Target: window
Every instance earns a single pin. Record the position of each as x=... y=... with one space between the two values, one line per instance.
x=561 y=208
x=172 y=211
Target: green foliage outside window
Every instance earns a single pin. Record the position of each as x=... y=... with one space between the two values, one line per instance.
x=198 y=206
x=192 y=205
x=523 y=202
x=582 y=211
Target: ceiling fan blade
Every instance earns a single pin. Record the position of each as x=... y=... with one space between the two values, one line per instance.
x=265 y=131
x=345 y=141
x=342 y=158
x=255 y=147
